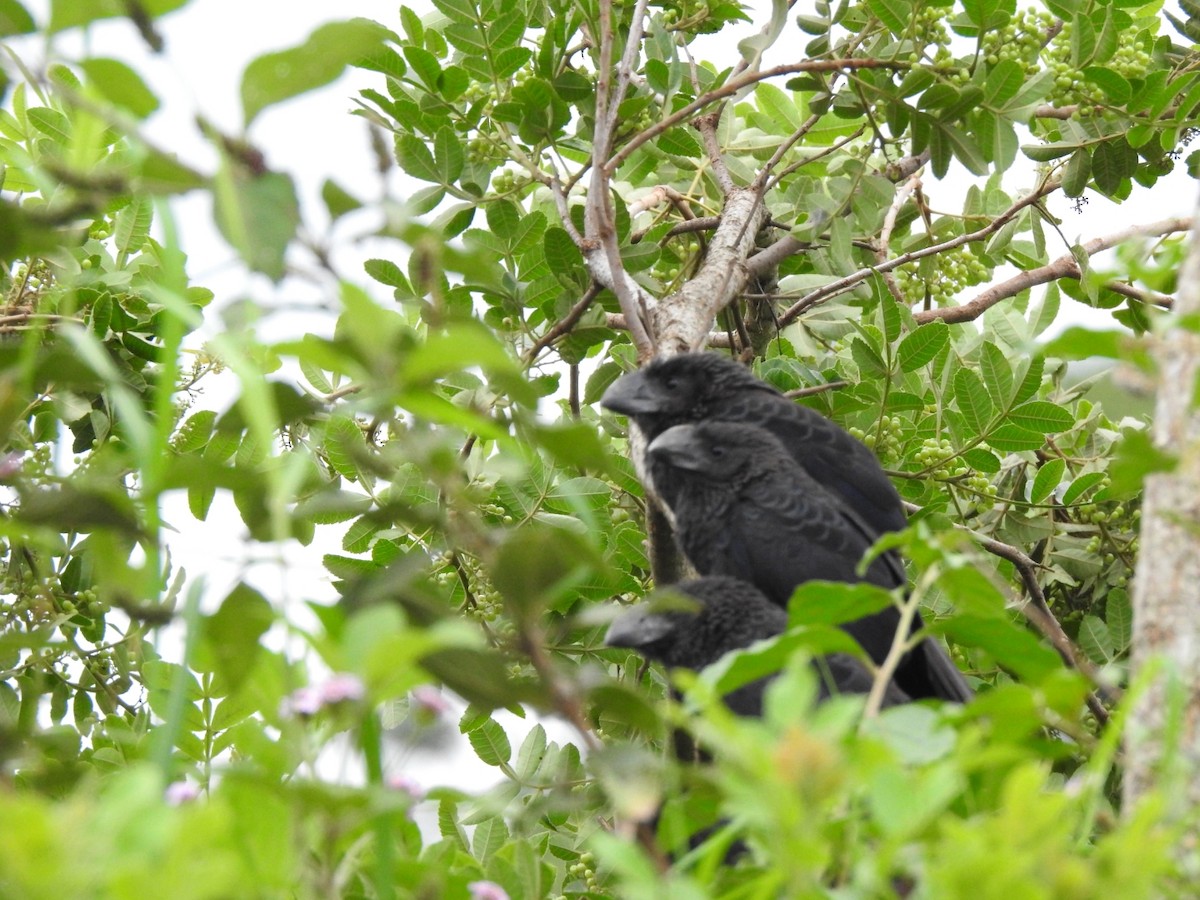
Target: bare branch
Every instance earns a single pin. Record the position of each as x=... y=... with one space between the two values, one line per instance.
x=691 y=226
x=707 y=126
x=683 y=319
x=1141 y=295
x=1063 y=267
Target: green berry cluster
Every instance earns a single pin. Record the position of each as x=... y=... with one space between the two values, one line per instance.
x=955 y=269
x=884 y=438
x=1020 y=41
x=1131 y=59
x=584 y=870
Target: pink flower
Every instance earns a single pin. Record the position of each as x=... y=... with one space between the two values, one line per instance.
x=311 y=699
x=180 y=792
x=304 y=701
x=486 y=890
x=342 y=687
x=429 y=699
x=408 y=786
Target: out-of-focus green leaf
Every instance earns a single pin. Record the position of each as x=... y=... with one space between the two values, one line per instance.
x=258 y=214
x=326 y=53
x=120 y=85
x=230 y=645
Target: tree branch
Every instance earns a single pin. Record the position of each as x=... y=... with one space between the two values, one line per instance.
x=565 y=324
x=682 y=320
x=1063 y=267
x=849 y=281
x=736 y=84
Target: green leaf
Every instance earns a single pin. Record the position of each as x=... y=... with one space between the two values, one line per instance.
x=973 y=400
x=278 y=76
x=870 y=363
x=490 y=743
x=386 y=272
x=120 y=85
x=1077 y=173
x=1114 y=85
x=132 y=225
x=414 y=157
x=490 y=835
x=1003 y=82
x=258 y=214
x=1042 y=416
x=981 y=460
x=1048 y=477
x=1095 y=640
x=831 y=603
x=338 y=201
x=896 y=15
x=449 y=155
x=1011 y=646
x=1081 y=485
x=537 y=564
x=562 y=255
x=997 y=374
x=922 y=345
x=72 y=13
x=14 y=19
x=1011 y=438
x=229 y=645
x=1049 y=151
x=195 y=432
x=51 y=123
x=1112 y=162
x=1118 y=616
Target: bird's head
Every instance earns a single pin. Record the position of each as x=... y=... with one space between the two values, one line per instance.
x=694 y=623
x=676 y=389
x=717 y=450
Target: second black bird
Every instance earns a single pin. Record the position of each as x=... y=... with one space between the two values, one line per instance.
x=743 y=508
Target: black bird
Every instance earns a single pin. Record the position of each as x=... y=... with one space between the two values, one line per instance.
x=695 y=387
x=743 y=508
x=729 y=614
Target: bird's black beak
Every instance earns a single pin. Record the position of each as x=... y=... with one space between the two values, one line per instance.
x=680 y=446
x=632 y=394
x=636 y=628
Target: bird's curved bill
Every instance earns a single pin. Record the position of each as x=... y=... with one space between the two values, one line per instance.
x=632 y=394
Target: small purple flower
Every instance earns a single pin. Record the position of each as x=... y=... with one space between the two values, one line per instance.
x=430 y=700
x=408 y=786
x=486 y=890
x=10 y=465
x=304 y=701
x=180 y=792
x=342 y=687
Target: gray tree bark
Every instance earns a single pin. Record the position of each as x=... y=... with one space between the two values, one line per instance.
x=1163 y=735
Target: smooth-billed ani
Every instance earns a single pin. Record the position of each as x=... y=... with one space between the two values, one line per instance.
x=743 y=508
x=729 y=615
x=696 y=387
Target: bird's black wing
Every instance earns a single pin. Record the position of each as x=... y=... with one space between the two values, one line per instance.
x=831 y=455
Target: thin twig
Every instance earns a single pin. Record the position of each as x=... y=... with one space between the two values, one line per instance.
x=816 y=389
x=736 y=84
x=564 y=325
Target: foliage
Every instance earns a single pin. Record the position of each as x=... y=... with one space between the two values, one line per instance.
x=158 y=740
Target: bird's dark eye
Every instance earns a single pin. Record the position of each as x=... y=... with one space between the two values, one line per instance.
x=716 y=450
x=672 y=383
